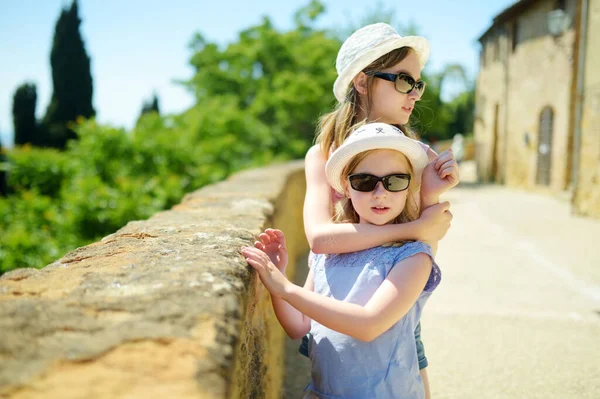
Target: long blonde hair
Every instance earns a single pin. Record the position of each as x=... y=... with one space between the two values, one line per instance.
x=344 y=210
x=335 y=126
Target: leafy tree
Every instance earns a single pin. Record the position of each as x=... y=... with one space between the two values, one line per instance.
x=71 y=78
x=23 y=110
x=278 y=82
x=463 y=105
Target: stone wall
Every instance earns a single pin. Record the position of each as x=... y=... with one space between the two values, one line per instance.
x=587 y=196
x=532 y=71
x=489 y=123
x=165 y=307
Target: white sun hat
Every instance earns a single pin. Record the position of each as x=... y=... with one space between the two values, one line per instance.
x=368 y=44
x=374 y=136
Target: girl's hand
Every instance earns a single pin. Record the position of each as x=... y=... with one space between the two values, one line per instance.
x=439 y=176
x=272 y=242
x=269 y=274
x=434 y=222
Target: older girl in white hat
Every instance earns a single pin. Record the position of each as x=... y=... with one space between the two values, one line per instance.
x=361 y=307
x=379 y=79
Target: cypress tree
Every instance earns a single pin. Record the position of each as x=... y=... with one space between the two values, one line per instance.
x=23 y=111
x=151 y=106
x=71 y=78
x=3 y=188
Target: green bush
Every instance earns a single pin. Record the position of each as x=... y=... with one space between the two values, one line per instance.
x=35 y=169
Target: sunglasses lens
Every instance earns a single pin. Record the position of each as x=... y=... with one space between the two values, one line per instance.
x=404 y=83
x=420 y=87
x=363 y=183
x=397 y=182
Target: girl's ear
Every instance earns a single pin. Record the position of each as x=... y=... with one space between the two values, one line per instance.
x=346 y=189
x=360 y=83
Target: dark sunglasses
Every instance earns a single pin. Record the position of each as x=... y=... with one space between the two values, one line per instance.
x=404 y=82
x=365 y=182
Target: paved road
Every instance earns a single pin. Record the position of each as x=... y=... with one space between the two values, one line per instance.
x=517 y=314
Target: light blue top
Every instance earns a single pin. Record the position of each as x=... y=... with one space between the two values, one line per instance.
x=388 y=366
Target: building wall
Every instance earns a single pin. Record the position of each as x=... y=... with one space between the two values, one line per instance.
x=539 y=75
x=587 y=195
x=490 y=109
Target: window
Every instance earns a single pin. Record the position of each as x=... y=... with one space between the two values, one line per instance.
x=497 y=47
x=514 y=34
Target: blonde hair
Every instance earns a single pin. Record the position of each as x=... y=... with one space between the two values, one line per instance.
x=335 y=126
x=344 y=210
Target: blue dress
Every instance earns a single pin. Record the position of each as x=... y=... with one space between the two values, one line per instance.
x=386 y=367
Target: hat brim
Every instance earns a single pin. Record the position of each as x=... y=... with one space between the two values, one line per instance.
x=340 y=158
x=419 y=44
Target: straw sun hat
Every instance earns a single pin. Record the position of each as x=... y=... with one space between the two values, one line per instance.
x=368 y=44
x=374 y=136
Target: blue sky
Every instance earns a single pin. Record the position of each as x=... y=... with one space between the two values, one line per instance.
x=140 y=46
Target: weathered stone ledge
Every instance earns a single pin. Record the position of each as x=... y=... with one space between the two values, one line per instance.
x=165 y=307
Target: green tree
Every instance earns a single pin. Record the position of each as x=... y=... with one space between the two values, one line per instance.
x=463 y=105
x=277 y=82
x=71 y=79
x=23 y=111
x=3 y=188
x=151 y=106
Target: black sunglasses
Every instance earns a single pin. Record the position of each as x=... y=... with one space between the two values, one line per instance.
x=404 y=82
x=365 y=182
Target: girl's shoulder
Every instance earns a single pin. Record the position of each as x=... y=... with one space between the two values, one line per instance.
x=383 y=256
x=408 y=249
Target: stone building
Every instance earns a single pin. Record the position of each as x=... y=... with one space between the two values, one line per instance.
x=538 y=100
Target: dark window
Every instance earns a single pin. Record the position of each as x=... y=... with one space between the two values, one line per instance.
x=544 y=155
x=497 y=47
x=514 y=35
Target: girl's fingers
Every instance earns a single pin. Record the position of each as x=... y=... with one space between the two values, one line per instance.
x=445 y=173
x=449 y=162
x=443 y=157
x=266 y=240
x=451 y=165
x=256 y=254
x=272 y=236
x=280 y=237
x=259 y=245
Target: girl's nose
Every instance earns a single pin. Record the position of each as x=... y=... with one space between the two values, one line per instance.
x=414 y=95
x=380 y=191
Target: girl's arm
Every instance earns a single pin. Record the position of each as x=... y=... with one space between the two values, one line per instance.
x=295 y=324
x=272 y=243
x=324 y=236
x=392 y=300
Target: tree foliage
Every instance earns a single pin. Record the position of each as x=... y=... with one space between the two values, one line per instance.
x=151 y=106
x=23 y=111
x=71 y=79
x=3 y=189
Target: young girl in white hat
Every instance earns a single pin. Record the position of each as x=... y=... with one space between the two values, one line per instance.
x=379 y=80
x=361 y=307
